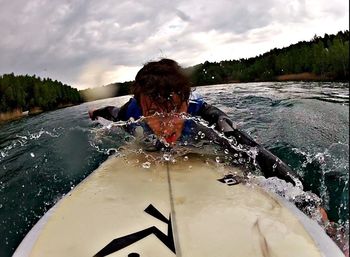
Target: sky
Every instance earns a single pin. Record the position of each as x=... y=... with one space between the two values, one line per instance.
x=90 y=43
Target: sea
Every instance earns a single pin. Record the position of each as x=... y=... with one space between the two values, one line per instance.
x=305 y=124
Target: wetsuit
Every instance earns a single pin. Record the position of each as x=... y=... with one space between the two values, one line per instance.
x=269 y=164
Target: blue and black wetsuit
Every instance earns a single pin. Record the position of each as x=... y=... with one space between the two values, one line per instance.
x=269 y=164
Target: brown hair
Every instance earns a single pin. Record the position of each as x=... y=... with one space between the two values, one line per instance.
x=160 y=79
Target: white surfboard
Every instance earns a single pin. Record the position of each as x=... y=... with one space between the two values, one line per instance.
x=188 y=208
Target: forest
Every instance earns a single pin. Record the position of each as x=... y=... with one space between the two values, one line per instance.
x=26 y=92
x=322 y=58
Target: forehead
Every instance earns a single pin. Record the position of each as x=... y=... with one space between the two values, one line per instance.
x=173 y=98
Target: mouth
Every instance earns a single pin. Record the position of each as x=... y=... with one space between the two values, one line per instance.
x=171 y=139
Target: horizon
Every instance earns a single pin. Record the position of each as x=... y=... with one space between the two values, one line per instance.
x=86 y=44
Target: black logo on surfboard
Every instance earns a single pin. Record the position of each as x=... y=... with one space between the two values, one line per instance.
x=122 y=242
x=230 y=180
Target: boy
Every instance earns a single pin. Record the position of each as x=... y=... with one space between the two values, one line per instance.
x=161 y=92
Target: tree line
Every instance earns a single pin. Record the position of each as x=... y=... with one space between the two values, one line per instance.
x=28 y=92
x=326 y=57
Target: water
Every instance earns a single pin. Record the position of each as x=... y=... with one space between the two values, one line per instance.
x=42 y=157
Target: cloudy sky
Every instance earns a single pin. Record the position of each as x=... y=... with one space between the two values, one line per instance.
x=93 y=43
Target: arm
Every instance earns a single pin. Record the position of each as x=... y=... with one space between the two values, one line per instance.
x=215 y=116
x=109 y=113
x=270 y=165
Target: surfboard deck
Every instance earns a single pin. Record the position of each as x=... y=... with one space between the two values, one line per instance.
x=170 y=209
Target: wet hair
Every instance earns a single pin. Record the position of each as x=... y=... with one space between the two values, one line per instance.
x=159 y=80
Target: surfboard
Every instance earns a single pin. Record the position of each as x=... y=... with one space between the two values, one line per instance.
x=185 y=208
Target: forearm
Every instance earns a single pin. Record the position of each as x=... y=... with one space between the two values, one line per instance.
x=211 y=113
x=109 y=113
x=269 y=164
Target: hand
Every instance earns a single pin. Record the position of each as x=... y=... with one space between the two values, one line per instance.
x=91 y=114
x=333 y=231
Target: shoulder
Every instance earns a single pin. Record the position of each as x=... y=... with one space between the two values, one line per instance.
x=195 y=104
x=131 y=109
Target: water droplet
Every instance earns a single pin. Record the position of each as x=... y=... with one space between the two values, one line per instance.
x=32 y=154
x=146 y=165
x=186 y=158
x=0 y=205
x=185 y=143
x=217 y=159
x=227 y=151
x=166 y=157
x=138 y=131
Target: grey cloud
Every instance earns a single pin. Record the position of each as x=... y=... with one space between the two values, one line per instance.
x=62 y=37
x=57 y=38
x=241 y=16
x=183 y=15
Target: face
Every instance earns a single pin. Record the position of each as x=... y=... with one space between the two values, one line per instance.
x=164 y=119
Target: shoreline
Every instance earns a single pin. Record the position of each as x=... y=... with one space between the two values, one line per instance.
x=19 y=113
x=304 y=77
x=293 y=77
x=12 y=115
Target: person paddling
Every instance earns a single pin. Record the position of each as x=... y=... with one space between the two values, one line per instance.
x=161 y=91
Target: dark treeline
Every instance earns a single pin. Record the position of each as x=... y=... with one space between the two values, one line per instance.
x=326 y=58
x=31 y=92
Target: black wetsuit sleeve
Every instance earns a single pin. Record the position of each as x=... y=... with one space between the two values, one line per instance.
x=216 y=117
x=210 y=113
x=108 y=112
x=270 y=165
x=112 y=113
